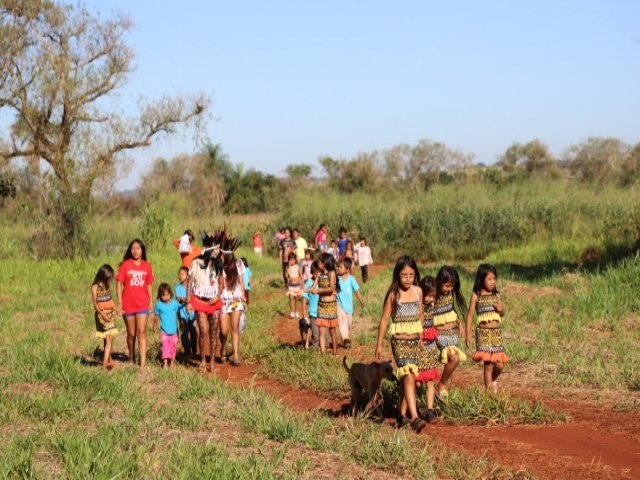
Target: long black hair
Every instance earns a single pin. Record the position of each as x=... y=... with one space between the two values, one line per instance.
x=330 y=266
x=104 y=275
x=448 y=274
x=484 y=269
x=394 y=289
x=127 y=254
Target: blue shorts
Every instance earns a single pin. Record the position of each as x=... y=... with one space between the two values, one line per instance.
x=133 y=314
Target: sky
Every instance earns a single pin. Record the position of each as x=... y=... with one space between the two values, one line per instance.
x=292 y=81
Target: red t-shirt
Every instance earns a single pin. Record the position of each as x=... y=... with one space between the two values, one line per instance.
x=136 y=280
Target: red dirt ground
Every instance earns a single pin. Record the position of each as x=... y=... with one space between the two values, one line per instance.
x=597 y=443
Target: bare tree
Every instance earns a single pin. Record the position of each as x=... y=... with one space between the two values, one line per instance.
x=59 y=68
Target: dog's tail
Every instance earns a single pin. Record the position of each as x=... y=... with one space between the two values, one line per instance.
x=344 y=362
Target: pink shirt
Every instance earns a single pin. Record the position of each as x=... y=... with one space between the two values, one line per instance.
x=135 y=280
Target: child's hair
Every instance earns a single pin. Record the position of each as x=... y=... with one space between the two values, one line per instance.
x=164 y=288
x=244 y=260
x=309 y=251
x=190 y=233
x=127 y=254
x=315 y=267
x=231 y=272
x=362 y=239
x=104 y=275
x=448 y=274
x=428 y=285
x=330 y=266
x=183 y=268
x=342 y=230
x=347 y=262
x=484 y=269
x=402 y=262
x=291 y=256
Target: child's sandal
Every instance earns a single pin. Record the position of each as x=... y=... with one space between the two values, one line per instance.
x=418 y=424
x=403 y=421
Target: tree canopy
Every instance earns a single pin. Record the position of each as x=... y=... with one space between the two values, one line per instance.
x=59 y=68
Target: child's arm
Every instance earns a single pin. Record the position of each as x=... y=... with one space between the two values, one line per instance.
x=499 y=305
x=154 y=320
x=382 y=328
x=360 y=298
x=472 y=308
x=94 y=300
x=119 y=289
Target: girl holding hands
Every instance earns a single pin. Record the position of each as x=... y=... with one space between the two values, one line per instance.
x=135 y=277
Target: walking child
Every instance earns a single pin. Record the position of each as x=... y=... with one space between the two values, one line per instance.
x=306 y=264
x=135 y=279
x=294 y=285
x=326 y=286
x=246 y=278
x=364 y=258
x=105 y=311
x=310 y=301
x=449 y=303
x=428 y=368
x=348 y=287
x=486 y=302
x=166 y=310
x=402 y=312
x=187 y=318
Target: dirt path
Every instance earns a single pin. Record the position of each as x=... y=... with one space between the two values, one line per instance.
x=597 y=443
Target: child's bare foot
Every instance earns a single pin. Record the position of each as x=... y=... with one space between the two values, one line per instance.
x=212 y=365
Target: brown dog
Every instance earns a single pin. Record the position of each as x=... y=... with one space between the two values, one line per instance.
x=367 y=377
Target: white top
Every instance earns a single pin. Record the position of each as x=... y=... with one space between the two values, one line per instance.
x=364 y=255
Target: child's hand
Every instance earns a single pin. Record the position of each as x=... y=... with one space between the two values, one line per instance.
x=468 y=339
x=378 y=353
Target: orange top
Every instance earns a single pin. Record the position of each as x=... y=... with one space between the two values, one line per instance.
x=187 y=258
x=257 y=241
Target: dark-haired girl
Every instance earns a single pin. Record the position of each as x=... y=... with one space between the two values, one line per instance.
x=449 y=305
x=105 y=311
x=326 y=286
x=402 y=312
x=135 y=278
x=485 y=301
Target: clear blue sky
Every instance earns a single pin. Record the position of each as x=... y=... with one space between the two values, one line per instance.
x=294 y=80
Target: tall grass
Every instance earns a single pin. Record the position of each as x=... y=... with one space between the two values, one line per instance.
x=473 y=221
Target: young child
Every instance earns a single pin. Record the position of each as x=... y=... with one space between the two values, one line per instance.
x=364 y=258
x=403 y=306
x=326 y=286
x=306 y=264
x=333 y=250
x=428 y=368
x=348 y=286
x=349 y=252
x=485 y=301
x=187 y=318
x=448 y=325
x=294 y=284
x=246 y=278
x=342 y=241
x=166 y=309
x=310 y=302
x=105 y=311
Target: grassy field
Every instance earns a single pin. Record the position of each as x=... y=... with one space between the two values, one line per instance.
x=568 y=325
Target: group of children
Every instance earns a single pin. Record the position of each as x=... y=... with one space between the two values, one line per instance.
x=171 y=313
x=321 y=295
x=422 y=319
